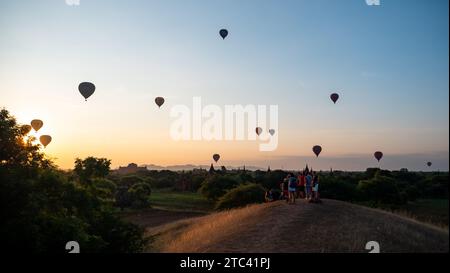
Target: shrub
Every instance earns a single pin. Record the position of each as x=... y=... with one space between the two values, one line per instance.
x=338 y=189
x=139 y=195
x=241 y=196
x=216 y=185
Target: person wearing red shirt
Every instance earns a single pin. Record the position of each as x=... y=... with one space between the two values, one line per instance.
x=301 y=185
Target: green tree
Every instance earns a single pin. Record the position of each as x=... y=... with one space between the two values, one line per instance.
x=123 y=197
x=216 y=185
x=18 y=150
x=130 y=180
x=139 y=195
x=41 y=209
x=381 y=190
x=90 y=168
x=104 y=189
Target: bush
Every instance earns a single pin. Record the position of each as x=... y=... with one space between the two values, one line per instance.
x=119 y=236
x=135 y=197
x=241 y=196
x=338 y=189
x=139 y=195
x=216 y=186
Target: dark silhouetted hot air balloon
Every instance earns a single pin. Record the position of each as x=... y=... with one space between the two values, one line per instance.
x=25 y=129
x=378 y=155
x=429 y=164
x=258 y=130
x=159 y=101
x=216 y=157
x=334 y=97
x=45 y=140
x=223 y=33
x=317 y=150
x=37 y=124
x=86 y=89
x=272 y=132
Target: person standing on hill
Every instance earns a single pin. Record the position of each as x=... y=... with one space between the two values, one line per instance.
x=284 y=189
x=308 y=185
x=301 y=185
x=292 y=188
x=315 y=187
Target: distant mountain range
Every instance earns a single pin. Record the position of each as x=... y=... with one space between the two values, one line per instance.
x=187 y=167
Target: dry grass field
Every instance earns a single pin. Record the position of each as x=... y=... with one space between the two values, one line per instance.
x=333 y=226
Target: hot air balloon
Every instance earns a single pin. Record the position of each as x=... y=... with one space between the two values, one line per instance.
x=429 y=164
x=272 y=132
x=258 y=130
x=159 y=101
x=317 y=149
x=86 y=89
x=223 y=33
x=334 y=97
x=25 y=129
x=37 y=124
x=45 y=140
x=216 y=157
x=378 y=155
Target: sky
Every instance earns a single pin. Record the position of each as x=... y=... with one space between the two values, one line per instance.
x=389 y=63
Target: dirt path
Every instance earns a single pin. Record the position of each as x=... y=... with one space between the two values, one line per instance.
x=333 y=226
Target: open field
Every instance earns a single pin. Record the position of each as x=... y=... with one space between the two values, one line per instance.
x=168 y=206
x=333 y=226
x=180 y=201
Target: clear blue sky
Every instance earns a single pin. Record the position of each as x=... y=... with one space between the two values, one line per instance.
x=389 y=63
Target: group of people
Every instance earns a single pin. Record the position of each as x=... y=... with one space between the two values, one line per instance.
x=304 y=186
